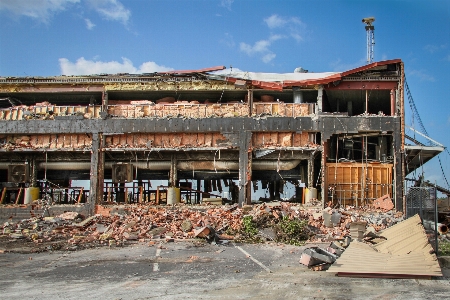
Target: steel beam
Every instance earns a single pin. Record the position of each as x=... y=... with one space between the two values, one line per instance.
x=364 y=85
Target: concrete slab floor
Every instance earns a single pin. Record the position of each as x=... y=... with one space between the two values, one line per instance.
x=188 y=270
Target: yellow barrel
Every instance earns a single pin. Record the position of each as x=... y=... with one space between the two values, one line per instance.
x=31 y=194
x=310 y=193
x=173 y=195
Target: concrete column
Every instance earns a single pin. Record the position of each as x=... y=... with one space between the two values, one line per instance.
x=310 y=181
x=104 y=101
x=33 y=172
x=319 y=100
x=173 y=176
x=97 y=173
x=245 y=167
x=94 y=172
x=350 y=108
x=398 y=170
x=250 y=102
x=197 y=195
x=393 y=102
x=104 y=111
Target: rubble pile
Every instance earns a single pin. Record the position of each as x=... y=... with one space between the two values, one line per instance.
x=115 y=225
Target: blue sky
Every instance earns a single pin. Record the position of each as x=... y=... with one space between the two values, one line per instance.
x=54 y=37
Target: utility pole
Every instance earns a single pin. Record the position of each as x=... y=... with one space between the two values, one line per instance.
x=370 y=37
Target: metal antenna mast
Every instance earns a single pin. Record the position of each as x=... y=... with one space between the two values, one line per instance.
x=370 y=37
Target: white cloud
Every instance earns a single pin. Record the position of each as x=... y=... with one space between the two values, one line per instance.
x=89 y=67
x=275 y=21
x=228 y=40
x=151 y=67
x=422 y=75
x=41 y=10
x=226 y=3
x=434 y=48
x=89 y=24
x=296 y=36
x=261 y=47
x=281 y=28
x=268 y=57
x=111 y=10
x=447 y=58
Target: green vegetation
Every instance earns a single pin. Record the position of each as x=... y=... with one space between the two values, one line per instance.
x=291 y=231
x=249 y=227
x=444 y=248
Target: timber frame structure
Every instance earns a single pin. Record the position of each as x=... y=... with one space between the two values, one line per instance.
x=340 y=134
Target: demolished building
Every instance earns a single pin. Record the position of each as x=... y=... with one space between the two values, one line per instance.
x=338 y=137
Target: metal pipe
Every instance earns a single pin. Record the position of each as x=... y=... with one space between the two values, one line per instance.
x=392 y=102
x=442 y=228
x=165 y=165
x=298 y=95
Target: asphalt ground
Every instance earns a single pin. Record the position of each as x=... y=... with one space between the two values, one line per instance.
x=193 y=270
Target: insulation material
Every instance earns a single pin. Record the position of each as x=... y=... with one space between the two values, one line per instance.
x=47 y=141
x=282 y=109
x=166 y=140
x=179 y=109
x=280 y=139
x=47 y=112
x=193 y=85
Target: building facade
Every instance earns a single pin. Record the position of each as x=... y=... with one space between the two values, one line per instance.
x=335 y=137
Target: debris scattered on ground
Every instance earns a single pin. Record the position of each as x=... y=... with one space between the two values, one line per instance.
x=114 y=225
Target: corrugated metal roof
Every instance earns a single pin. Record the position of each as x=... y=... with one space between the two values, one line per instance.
x=405 y=237
x=276 y=81
x=406 y=252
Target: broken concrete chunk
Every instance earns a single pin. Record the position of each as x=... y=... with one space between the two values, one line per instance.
x=315 y=255
x=384 y=202
x=86 y=222
x=186 y=226
x=202 y=232
x=357 y=229
x=70 y=215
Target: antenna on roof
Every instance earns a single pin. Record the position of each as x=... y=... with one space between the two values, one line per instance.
x=370 y=37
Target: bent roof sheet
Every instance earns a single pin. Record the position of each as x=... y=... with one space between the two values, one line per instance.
x=279 y=80
x=405 y=252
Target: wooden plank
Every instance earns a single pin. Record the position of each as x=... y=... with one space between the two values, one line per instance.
x=3 y=195
x=157 y=195
x=382 y=275
x=141 y=194
x=80 y=195
x=18 y=195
